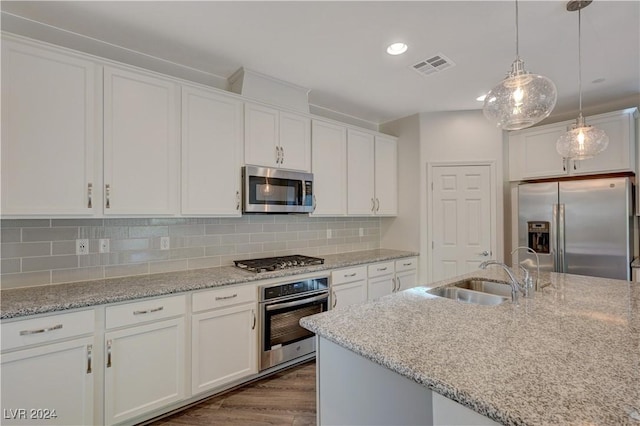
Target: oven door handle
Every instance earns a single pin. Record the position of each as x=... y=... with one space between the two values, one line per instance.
x=296 y=302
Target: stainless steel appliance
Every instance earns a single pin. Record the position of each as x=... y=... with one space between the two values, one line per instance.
x=267 y=264
x=281 y=306
x=268 y=190
x=579 y=227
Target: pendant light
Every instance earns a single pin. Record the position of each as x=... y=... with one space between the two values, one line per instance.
x=582 y=141
x=521 y=99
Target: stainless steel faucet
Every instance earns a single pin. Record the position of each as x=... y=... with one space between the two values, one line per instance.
x=536 y=287
x=516 y=285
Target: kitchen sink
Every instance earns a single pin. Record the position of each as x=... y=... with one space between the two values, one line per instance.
x=468 y=296
x=500 y=289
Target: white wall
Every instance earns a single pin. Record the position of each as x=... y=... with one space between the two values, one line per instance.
x=459 y=137
x=402 y=232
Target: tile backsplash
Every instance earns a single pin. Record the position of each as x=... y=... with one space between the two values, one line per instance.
x=43 y=251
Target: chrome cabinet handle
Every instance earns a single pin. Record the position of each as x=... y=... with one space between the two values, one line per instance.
x=377 y=204
x=237 y=200
x=227 y=297
x=574 y=165
x=393 y=280
x=564 y=164
x=399 y=283
x=373 y=205
x=148 y=311
x=107 y=195
x=253 y=313
x=281 y=155
x=382 y=269
x=407 y=264
x=335 y=299
x=89 y=352
x=41 y=330
x=315 y=204
x=109 y=353
x=277 y=154
x=89 y=196
x=350 y=275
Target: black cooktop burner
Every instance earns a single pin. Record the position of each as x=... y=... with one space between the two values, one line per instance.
x=267 y=264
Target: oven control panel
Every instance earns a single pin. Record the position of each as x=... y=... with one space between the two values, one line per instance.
x=294 y=288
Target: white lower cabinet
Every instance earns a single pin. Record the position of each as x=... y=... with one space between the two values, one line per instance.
x=406 y=273
x=348 y=286
x=144 y=364
x=50 y=382
x=381 y=280
x=223 y=340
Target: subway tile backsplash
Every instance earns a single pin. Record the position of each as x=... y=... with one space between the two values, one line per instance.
x=42 y=251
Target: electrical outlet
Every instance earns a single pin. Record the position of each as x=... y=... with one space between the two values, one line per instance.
x=103 y=245
x=82 y=246
x=165 y=243
x=328 y=234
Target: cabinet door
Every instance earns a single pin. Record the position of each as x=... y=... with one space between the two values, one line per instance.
x=295 y=141
x=50 y=125
x=212 y=141
x=329 y=167
x=144 y=369
x=360 y=173
x=223 y=346
x=55 y=381
x=406 y=280
x=349 y=294
x=537 y=155
x=141 y=144
x=386 y=176
x=261 y=133
x=618 y=157
x=381 y=286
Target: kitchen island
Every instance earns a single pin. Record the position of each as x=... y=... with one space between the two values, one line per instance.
x=570 y=355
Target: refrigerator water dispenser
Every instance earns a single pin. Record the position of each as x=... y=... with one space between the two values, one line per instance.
x=539 y=237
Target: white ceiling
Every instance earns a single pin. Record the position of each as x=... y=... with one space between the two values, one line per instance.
x=337 y=49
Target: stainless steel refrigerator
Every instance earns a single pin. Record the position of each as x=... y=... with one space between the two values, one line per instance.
x=581 y=227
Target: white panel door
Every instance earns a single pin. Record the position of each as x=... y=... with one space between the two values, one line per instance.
x=55 y=380
x=212 y=143
x=360 y=173
x=461 y=219
x=386 y=176
x=223 y=346
x=141 y=144
x=261 y=135
x=50 y=140
x=329 y=167
x=295 y=141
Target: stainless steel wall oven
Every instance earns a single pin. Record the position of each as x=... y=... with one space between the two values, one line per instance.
x=281 y=307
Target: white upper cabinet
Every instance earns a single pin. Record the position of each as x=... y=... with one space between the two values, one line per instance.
x=275 y=138
x=141 y=144
x=212 y=141
x=50 y=132
x=372 y=165
x=360 y=173
x=386 y=176
x=532 y=152
x=329 y=167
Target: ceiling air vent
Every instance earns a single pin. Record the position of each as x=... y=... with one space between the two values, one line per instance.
x=434 y=64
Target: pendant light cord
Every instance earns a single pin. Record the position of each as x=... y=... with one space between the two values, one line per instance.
x=580 y=61
x=517 y=35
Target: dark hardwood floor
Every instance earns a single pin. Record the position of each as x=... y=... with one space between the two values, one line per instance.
x=286 y=398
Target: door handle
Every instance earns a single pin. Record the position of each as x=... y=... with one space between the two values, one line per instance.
x=485 y=253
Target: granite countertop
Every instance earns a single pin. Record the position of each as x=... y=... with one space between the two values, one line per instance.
x=37 y=300
x=570 y=355
x=636 y=263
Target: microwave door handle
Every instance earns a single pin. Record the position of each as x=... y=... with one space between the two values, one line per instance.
x=296 y=302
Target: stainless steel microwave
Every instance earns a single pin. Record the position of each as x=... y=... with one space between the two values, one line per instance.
x=268 y=190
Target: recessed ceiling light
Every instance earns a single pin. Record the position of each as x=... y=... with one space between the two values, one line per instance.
x=481 y=98
x=397 y=48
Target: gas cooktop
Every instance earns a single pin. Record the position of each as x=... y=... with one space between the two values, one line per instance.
x=267 y=264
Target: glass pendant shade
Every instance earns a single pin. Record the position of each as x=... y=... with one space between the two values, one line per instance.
x=582 y=141
x=520 y=100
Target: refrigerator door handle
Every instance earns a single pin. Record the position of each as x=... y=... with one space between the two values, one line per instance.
x=561 y=242
x=554 y=239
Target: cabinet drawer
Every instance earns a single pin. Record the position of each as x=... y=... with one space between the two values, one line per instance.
x=406 y=264
x=47 y=329
x=380 y=269
x=225 y=296
x=146 y=310
x=348 y=275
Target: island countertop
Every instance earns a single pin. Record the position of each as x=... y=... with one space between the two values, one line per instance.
x=570 y=355
x=59 y=297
